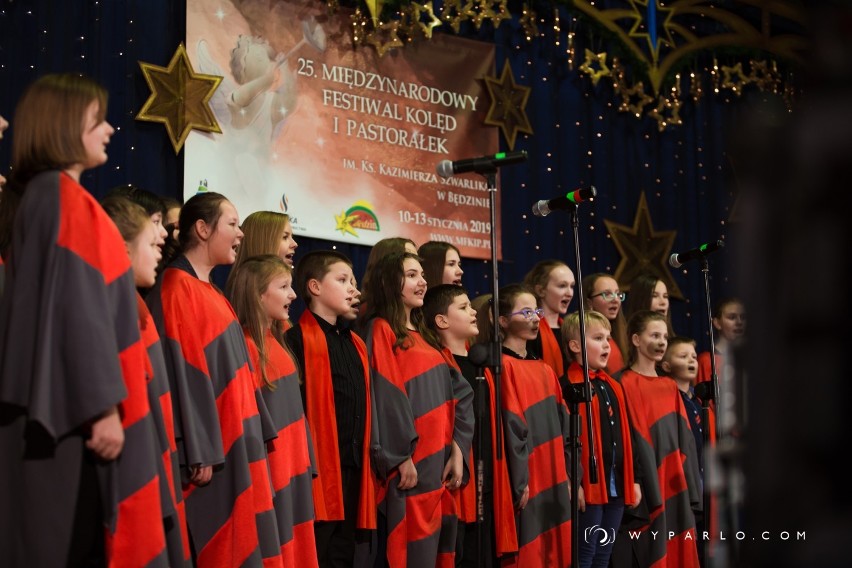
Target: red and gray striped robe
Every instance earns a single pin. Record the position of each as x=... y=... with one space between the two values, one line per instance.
x=535 y=423
x=69 y=351
x=661 y=530
x=416 y=412
x=160 y=400
x=291 y=459
x=217 y=420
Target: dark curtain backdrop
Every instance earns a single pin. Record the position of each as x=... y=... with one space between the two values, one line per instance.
x=580 y=138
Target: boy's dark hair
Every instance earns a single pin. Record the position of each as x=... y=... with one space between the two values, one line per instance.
x=315 y=265
x=152 y=202
x=437 y=301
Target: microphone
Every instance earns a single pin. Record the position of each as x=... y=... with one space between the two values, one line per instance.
x=545 y=206
x=676 y=260
x=483 y=165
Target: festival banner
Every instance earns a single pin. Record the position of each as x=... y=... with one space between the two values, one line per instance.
x=344 y=141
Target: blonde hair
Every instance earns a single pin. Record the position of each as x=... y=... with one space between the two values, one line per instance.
x=245 y=286
x=571 y=328
x=539 y=276
x=261 y=235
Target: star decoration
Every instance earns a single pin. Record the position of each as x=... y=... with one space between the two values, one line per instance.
x=734 y=78
x=384 y=42
x=434 y=21
x=588 y=66
x=359 y=27
x=508 y=105
x=528 y=18
x=637 y=106
x=762 y=76
x=502 y=13
x=344 y=223
x=179 y=98
x=454 y=13
x=663 y=118
x=645 y=27
x=643 y=249
x=483 y=13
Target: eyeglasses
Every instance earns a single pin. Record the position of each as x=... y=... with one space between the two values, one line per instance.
x=610 y=296
x=528 y=313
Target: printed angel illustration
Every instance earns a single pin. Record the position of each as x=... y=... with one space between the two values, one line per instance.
x=254 y=101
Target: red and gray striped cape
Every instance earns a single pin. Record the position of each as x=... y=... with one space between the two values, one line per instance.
x=69 y=351
x=665 y=449
x=535 y=423
x=551 y=351
x=160 y=400
x=290 y=454
x=217 y=420
x=415 y=407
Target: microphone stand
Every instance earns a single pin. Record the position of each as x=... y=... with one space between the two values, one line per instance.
x=489 y=355
x=708 y=391
x=576 y=394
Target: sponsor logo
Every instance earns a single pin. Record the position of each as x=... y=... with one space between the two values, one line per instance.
x=359 y=216
x=284 y=204
x=202 y=186
x=599 y=535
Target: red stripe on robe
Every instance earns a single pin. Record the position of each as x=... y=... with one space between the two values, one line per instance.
x=328 y=487
x=551 y=352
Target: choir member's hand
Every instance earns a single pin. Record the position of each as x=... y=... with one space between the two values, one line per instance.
x=107 y=437
x=638 y=491
x=201 y=474
x=581 y=499
x=454 y=469
x=407 y=475
x=525 y=497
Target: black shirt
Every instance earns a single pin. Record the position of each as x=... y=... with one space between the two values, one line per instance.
x=483 y=420
x=612 y=443
x=694 y=413
x=347 y=379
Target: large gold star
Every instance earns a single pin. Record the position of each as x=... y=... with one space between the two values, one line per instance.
x=641 y=28
x=508 y=105
x=179 y=98
x=643 y=250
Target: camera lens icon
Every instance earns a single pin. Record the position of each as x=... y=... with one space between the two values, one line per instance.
x=599 y=535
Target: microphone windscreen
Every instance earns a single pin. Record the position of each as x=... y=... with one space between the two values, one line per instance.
x=445 y=168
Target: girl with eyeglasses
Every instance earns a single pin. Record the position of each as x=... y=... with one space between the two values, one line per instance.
x=603 y=295
x=535 y=427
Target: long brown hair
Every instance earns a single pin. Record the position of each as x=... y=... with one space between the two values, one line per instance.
x=539 y=276
x=434 y=255
x=641 y=292
x=248 y=283
x=385 y=290
x=205 y=206
x=48 y=126
x=261 y=235
x=380 y=250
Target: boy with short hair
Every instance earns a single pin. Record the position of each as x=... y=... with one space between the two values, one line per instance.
x=452 y=323
x=616 y=486
x=333 y=364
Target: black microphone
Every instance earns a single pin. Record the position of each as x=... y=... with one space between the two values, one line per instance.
x=545 y=206
x=676 y=260
x=483 y=165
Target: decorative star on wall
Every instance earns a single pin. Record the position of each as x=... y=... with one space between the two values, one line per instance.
x=179 y=98
x=385 y=37
x=643 y=249
x=588 y=66
x=508 y=105
x=646 y=26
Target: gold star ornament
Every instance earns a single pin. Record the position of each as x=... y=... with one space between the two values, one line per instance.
x=508 y=105
x=179 y=98
x=588 y=67
x=643 y=249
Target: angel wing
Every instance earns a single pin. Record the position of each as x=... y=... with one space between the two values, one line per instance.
x=218 y=102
